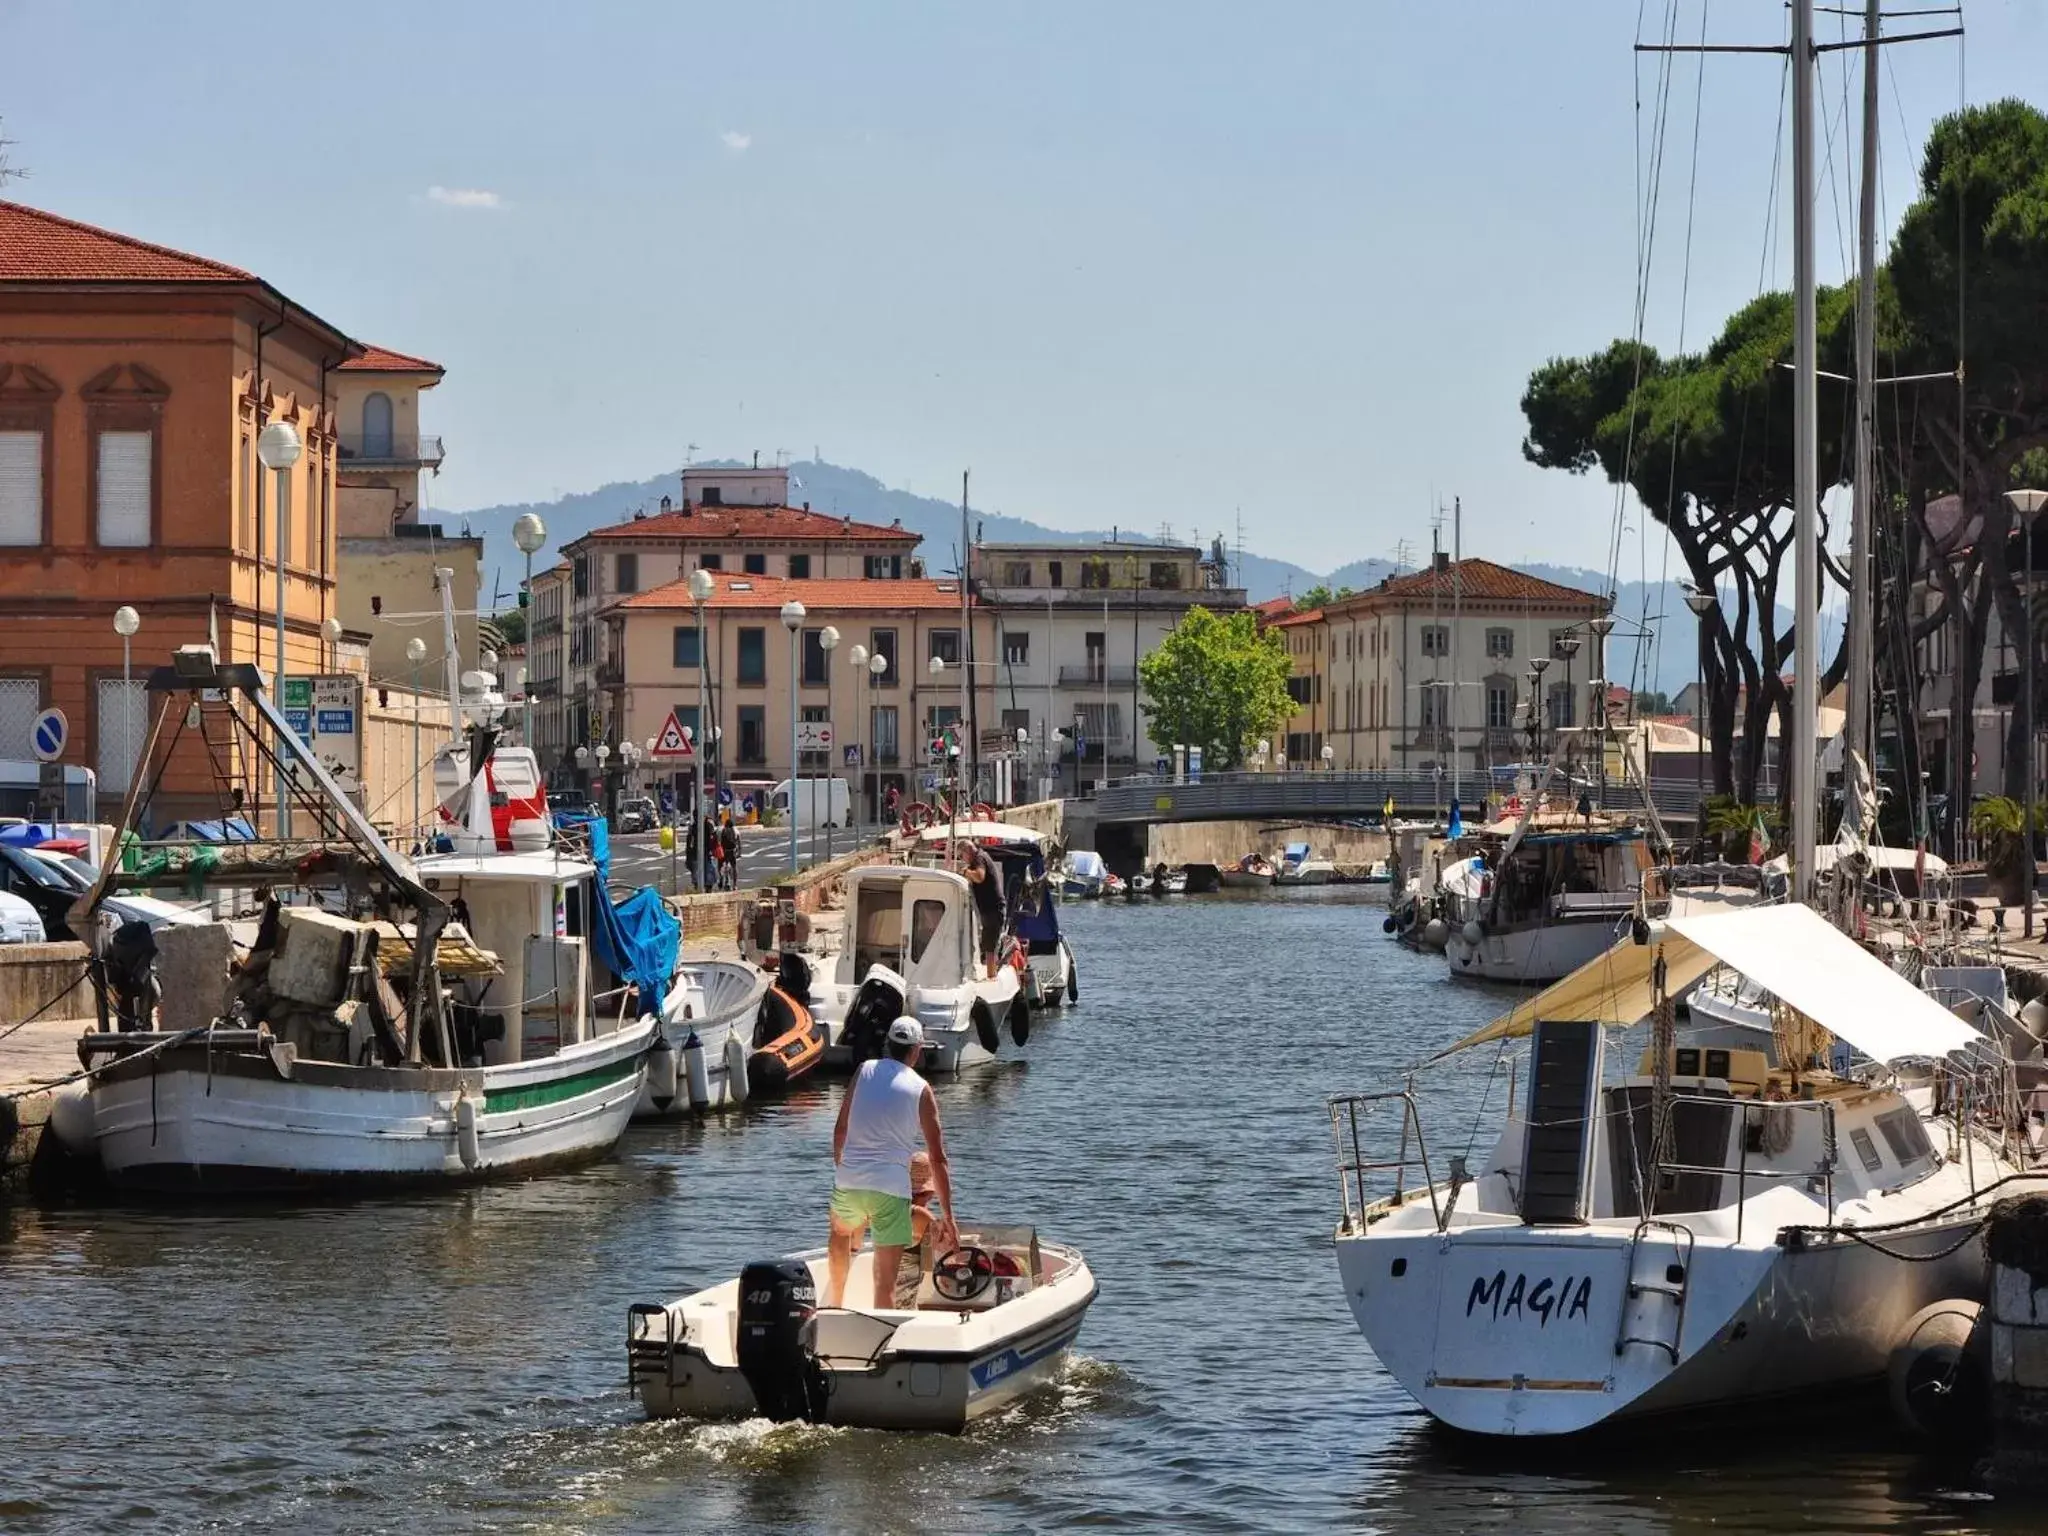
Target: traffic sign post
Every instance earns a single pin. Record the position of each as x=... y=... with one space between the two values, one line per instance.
x=49 y=734
x=674 y=740
x=814 y=736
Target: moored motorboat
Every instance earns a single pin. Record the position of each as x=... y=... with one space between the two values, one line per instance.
x=1252 y=872
x=1083 y=875
x=706 y=1031
x=993 y=1320
x=788 y=1045
x=1301 y=865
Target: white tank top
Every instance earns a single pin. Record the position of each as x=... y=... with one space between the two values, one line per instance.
x=882 y=1129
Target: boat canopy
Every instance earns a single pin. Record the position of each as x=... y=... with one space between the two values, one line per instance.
x=1789 y=950
x=1296 y=852
x=1087 y=863
x=982 y=832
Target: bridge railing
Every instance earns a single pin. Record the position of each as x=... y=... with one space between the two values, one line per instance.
x=1232 y=796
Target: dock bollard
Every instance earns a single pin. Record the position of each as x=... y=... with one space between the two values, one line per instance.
x=2016 y=1242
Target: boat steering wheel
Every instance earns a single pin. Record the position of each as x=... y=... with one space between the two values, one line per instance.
x=963 y=1273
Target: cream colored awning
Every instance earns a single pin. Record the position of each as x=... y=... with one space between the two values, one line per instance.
x=1789 y=950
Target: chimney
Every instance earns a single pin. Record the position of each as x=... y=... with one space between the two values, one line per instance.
x=807 y=506
x=1443 y=559
x=666 y=504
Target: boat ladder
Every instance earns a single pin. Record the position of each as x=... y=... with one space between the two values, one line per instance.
x=1355 y=1168
x=1654 y=1302
x=650 y=1344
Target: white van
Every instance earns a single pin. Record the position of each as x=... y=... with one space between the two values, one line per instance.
x=820 y=802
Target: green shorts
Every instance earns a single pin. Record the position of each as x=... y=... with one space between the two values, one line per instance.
x=887 y=1216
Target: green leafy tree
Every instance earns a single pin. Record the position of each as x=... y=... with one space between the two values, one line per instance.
x=1216 y=683
x=511 y=623
x=1318 y=595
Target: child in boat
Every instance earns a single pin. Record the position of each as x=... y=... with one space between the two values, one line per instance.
x=917 y=1258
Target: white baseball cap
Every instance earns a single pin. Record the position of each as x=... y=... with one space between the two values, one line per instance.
x=906 y=1031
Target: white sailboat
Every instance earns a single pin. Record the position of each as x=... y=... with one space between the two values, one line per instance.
x=1701 y=1231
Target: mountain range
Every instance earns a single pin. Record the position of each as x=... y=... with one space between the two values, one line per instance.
x=844 y=492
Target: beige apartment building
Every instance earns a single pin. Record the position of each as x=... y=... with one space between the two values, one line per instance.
x=388 y=551
x=881 y=724
x=732 y=521
x=1434 y=667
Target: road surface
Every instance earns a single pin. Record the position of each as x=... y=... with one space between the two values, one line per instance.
x=764 y=854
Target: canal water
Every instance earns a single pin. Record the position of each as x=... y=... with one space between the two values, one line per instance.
x=457 y=1363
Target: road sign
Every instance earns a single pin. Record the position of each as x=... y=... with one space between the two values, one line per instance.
x=814 y=736
x=672 y=742
x=852 y=757
x=49 y=734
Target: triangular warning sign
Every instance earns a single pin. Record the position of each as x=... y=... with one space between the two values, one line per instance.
x=672 y=742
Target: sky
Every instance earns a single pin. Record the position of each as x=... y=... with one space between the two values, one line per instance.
x=1164 y=262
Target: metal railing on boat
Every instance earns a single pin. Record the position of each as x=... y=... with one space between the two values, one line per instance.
x=1353 y=1166
x=1823 y=1171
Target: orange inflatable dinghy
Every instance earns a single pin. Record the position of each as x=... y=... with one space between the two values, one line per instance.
x=788 y=1043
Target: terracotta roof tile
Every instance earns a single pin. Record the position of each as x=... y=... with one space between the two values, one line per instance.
x=1273 y=607
x=702 y=524
x=39 y=247
x=826 y=595
x=1478 y=580
x=1299 y=616
x=383 y=360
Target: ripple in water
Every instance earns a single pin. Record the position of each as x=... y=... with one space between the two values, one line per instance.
x=457 y=1363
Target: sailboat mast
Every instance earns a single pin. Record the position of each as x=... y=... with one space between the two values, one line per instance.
x=1457 y=611
x=1805 y=471
x=1858 y=735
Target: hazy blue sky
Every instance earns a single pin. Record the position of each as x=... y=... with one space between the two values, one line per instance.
x=1133 y=263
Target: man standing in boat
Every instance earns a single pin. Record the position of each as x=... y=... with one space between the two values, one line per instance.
x=887 y=1111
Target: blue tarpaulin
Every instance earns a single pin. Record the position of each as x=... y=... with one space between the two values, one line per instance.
x=29 y=835
x=638 y=939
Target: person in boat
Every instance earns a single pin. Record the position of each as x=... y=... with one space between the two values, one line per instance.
x=888 y=1108
x=985 y=880
x=917 y=1258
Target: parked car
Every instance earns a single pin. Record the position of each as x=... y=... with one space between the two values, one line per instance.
x=43 y=885
x=19 y=922
x=126 y=906
x=636 y=814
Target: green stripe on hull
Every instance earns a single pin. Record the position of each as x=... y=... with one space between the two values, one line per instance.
x=499 y=1100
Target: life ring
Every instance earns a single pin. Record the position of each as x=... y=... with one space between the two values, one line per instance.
x=983 y=811
x=985 y=1027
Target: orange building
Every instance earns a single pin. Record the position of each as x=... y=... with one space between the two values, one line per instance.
x=134 y=381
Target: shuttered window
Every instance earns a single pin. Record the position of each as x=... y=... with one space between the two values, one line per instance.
x=121 y=726
x=21 y=698
x=21 y=487
x=124 y=489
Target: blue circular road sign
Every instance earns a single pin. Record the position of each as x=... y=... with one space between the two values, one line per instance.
x=49 y=735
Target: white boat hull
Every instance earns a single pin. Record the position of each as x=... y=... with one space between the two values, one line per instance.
x=713 y=1001
x=1536 y=1354
x=1542 y=953
x=193 y=1119
x=1050 y=976
x=910 y=1370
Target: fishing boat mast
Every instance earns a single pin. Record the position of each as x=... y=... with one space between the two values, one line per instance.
x=1858 y=736
x=1805 y=468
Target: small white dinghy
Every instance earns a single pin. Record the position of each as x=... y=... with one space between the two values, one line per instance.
x=993 y=1320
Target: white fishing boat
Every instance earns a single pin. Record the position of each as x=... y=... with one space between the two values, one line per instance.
x=992 y=1320
x=1252 y=872
x=1781 y=1235
x=910 y=946
x=485 y=1034
x=1082 y=874
x=1547 y=897
x=1301 y=865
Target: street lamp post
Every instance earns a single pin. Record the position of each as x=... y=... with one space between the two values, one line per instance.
x=877 y=665
x=2029 y=504
x=1329 y=755
x=415 y=653
x=1568 y=648
x=1017 y=794
x=857 y=658
x=1701 y=601
x=1538 y=665
x=126 y=622
x=828 y=642
x=1601 y=627
x=278 y=446
x=793 y=621
x=330 y=630
x=530 y=534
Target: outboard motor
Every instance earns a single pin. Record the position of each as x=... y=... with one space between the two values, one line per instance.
x=777 y=1298
x=793 y=975
x=880 y=1002
x=131 y=975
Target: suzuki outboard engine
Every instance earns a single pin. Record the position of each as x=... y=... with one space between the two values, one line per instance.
x=777 y=1298
x=882 y=1000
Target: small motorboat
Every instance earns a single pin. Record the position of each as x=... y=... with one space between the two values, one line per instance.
x=993 y=1319
x=1114 y=885
x=788 y=1043
x=706 y=1026
x=1378 y=872
x=1251 y=872
x=1202 y=878
x=1300 y=866
x=1083 y=875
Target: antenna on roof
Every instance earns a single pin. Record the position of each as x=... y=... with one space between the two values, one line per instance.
x=689 y=455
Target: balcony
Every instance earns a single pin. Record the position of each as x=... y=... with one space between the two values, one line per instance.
x=1097 y=677
x=387 y=450
x=610 y=675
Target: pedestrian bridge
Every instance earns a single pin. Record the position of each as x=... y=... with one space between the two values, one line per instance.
x=1315 y=795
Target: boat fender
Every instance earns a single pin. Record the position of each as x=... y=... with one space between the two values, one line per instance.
x=1939 y=1373
x=696 y=1072
x=71 y=1118
x=1472 y=933
x=1435 y=931
x=1020 y=1018
x=1073 y=976
x=735 y=1069
x=985 y=1027
x=1388 y=925
x=661 y=1075
x=468 y=1135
